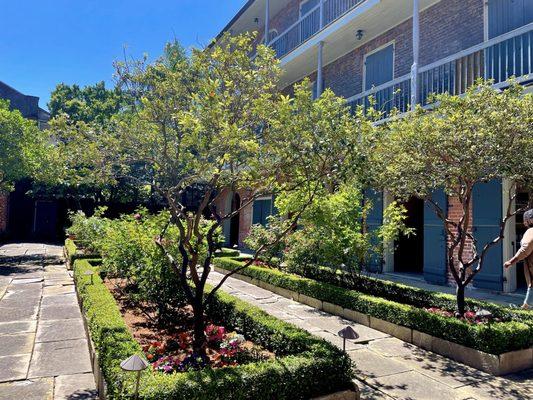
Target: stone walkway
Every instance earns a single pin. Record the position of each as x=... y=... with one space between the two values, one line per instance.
x=43 y=347
x=386 y=367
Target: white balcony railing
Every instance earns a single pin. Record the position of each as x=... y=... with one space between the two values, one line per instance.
x=498 y=59
x=310 y=24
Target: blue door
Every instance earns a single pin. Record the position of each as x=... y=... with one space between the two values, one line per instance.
x=435 y=270
x=487 y=214
x=261 y=210
x=379 y=69
x=374 y=221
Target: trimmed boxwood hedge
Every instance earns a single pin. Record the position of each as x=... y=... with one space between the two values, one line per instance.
x=306 y=366
x=496 y=338
x=225 y=252
x=73 y=254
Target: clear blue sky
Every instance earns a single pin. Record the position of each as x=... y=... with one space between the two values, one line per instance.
x=45 y=42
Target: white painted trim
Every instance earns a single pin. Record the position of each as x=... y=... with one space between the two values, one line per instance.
x=376 y=50
x=301 y=77
x=509 y=284
x=322 y=35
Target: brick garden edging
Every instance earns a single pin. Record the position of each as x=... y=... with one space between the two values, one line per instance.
x=502 y=364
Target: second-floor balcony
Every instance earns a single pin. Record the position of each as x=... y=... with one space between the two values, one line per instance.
x=323 y=14
x=498 y=59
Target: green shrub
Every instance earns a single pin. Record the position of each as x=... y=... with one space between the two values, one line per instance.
x=496 y=339
x=225 y=252
x=305 y=366
x=88 y=230
x=73 y=253
x=129 y=251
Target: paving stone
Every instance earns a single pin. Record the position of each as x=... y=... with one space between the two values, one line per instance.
x=369 y=393
x=38 y=389
x=10 y=314
x=14 y=367
x=54 y=330
x=60 y=312
x=60 y=299
x=412 y=385
x=55 y=282
x=443 y=369
x=26 y=281
x=499 y=388
x=371 y=365
x=79 y=387
x=15 y=344
x=337 y=341
x=60 y=358
x=58 y=289
x=20 y=301
x=304 y=324
x=392 y=347
x=17 y=327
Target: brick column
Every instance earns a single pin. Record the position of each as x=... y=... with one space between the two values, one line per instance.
x=454 y=213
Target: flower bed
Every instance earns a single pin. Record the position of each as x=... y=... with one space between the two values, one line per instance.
x=495 y=338
x=305 y=366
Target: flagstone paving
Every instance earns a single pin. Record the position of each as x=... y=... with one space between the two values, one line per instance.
x=386 y=367
x=43 y=347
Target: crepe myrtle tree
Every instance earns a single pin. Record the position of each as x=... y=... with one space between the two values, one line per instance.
x=214 y=120
x=484 y=135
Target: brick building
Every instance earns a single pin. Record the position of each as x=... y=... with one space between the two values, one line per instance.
x=360 y=48
x=29 y=108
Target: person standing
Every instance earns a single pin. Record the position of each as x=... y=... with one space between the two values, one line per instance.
x=525 y=253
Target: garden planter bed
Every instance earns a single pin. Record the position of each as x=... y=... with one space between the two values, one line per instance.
x=305 y=366
x=498 y=348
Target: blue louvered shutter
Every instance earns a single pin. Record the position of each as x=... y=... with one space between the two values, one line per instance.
x=435 y=270
x=307 y=6
x=507 y=15
x=379 y=67
x=261 y=210
x=487 y=214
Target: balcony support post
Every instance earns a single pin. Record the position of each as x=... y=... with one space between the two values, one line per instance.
x=321 y=14
x=416 y=44
x=319 y=77
x=267 y=22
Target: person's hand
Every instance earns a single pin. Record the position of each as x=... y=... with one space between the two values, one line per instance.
x=507 y=264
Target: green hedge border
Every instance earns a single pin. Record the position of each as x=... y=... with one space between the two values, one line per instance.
x=73 y=254
x=498 y=338
x=306 y=366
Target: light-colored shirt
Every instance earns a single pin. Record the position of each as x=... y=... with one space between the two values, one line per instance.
x=526 y=248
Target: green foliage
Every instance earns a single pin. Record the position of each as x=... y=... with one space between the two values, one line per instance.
x=494 y=339
x=306 y=366
x=88 y=231
x=224 y=252
x=25 y=151
x=89 y=104
x=129 y=251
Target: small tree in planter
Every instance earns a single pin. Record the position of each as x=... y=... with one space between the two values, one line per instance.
x=210 y=122
x=482 y=136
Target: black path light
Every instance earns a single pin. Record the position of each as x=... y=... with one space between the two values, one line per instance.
x=347 y=333
x=89 y=273
x=135 y=364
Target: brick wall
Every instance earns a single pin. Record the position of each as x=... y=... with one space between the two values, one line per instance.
x=223 y=204
x=4 y=203
x=445 y=28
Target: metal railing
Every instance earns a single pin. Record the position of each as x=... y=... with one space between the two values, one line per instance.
x=311 y=23
x=499 y=59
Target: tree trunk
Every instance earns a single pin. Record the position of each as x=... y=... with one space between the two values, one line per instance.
x=200 y=341
x=460 y=293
